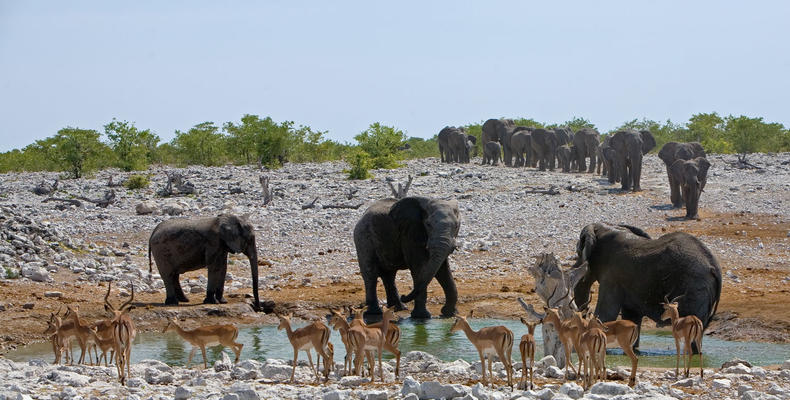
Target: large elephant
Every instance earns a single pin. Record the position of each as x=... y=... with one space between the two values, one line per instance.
x=691 y=175
x=500 y=130
x=181 y=245
x=586 y=142
x=635 y=273
x=671 y=152
x=544 y=147
x=492 y=153
x=444 y=143
x=520 y=144
x=459 y=146
x=629 y=146
x=414 y=233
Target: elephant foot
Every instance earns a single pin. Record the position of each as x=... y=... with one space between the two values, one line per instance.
x=397 y=306
x=372 y=311
x=171 y=301
x=420 y=314
x=183 y=298
x=210 y=300
x=449 y=311
x=222 y=300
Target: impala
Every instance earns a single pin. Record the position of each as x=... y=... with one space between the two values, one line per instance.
x=123 y=333
x=366 y=339
x=391 y=338
x=339 y=323
x=527 y=349
x=204 y=336
x=86 y=337
x=593 y=351
x=60 y=343
x=313 y=336
x=489 y=341
x=688 y=328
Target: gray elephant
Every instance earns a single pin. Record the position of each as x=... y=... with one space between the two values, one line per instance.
x=444 y=143
x=500 y=130
x=671 y=152
x=492 y=153
x=520 y=143
x=691 y=175
x=565 y=155
x=459 y=146
x=182 y=245
x=586 y=142
x=414 y=233
x=630 y=146
x=544 y=146
x=471 y=141
x=564 y=136
x=606 y=159
x=635 y=273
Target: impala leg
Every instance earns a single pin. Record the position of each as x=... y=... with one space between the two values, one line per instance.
x=191 y=354
x=312 y=367
x=381 y=370
x=699 y=347
x=677 y=359
x=482 y=367
x=205 y=362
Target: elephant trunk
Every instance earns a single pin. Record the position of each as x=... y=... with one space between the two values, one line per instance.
x=693 y=193
x=438 y=254
x=252 y=254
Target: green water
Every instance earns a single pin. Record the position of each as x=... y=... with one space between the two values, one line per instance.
x=434 y=337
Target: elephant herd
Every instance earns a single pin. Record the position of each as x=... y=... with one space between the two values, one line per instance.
x=618 y=156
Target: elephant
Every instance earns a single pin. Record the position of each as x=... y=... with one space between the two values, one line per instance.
x=471 y=141
x=544 y=146
x=181 y=245
x=492 y=153
x=630 y=146
x=671 y=152
x=520 y=143
x=635 y=272
x=564 y=136
x=606 y=159
x=691 y=175
x=459 y=146
x=500 y=130
x=586 y=142
x=444 y=144
x=414 y=233
x=566 y=156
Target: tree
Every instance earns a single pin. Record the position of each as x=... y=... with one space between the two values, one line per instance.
x=260 y=138
x=73 y=149
x=575 y=124
x=202 y=144
x=381 y=142
x=749 y=135
x=134 y=148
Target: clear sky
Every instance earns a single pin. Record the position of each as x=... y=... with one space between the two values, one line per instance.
x=418 y=65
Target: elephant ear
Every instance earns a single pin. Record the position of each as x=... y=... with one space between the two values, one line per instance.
x=586 y=243
x=702 y=175
x=409 y=215
x=230 y=232
x=677 y=168
x=667 y=152
x=648 y=141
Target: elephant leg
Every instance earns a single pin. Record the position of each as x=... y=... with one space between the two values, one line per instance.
x=420 y=310
x=674 y=191
x=216 y=280
x=592 y=163
x=393 y=298
x=371 y=280
x=636 y=318
x=582 y=161
x=625 y=177
x=172 y=289
x=445 y=278
x=636 y=171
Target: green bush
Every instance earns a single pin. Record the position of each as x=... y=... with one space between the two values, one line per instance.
x=11 y=273
x=381 y=143
x=137 y=182
x=360 y=164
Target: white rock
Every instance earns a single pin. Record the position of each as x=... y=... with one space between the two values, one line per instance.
x=146 y=207
x=572 y=390
x=756 y=395
x=410 y=386
x=336 y=394
x=542 y=394
x=743 y=388
x=457 y=367
x=737 y=369
x=182 y=393
x=546 y=362
x=352 y=381
x=610 y=389
x=777 y=390
x=411 y=396
x=374 y=395
x=688 y=382
x=722 y=383
x=554 y=372
x=758 y=372
x=244 y=391
x=436 y=390
x=68 y=378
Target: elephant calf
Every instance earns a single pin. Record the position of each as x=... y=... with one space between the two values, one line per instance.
x=691 y=175
x=181 y=245
x=492 y=153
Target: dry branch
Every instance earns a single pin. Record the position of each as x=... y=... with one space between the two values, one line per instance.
x=70 y=201
x=538 y=190
x=267 y=194
x=402 y=191
x=348 y=206
x=309 y=205
x=109 y=198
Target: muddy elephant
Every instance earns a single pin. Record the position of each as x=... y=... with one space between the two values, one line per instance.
x=635 y=273
x=544 y=147
x=500 y=130
x=181 y=245
x=565 y=155
x=586 y=142
x=520 y=143
x=629 y=146
x=691 y=175
x=671 y=152
x=414 y=233
x=492 y=153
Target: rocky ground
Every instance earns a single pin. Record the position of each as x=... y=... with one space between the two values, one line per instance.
x=424 y=377
x=54 y=253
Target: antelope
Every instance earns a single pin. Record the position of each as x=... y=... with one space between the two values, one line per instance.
x=391 y=338
x=489 y=341
x=123 y=333
x=60 y=343
x=339 y=323
x=688 y=328
x=313 y=336
x=527 y=349
x=568 y=333
x=593 y=351
x=210 y=335
x=366 y=339
x=86 y=336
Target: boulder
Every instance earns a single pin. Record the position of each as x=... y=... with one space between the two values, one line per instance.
x=182 y=393
x=734 y=362
x=756 y=395
x=737 y=369
x=374 y=395
x=335 y=394
x=688 y=382
x=721 y=383
x=145 y=208
x=758 y=372
x=244 y=391
x=410 y=386
x=554 y=372
x=610 y=389
x=546 y=362
x=68 y=378
x=436 y=390
x=572 y=390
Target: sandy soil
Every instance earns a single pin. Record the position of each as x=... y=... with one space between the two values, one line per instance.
x=754 y=309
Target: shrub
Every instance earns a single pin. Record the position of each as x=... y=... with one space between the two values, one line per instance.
x=11 y=273
x=360 y=164
x=137 y=182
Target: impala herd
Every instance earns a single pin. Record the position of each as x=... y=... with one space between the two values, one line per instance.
x=582 y=332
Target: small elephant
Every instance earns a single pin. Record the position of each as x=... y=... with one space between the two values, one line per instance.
x=566 y=156
x=635 y=272
x=691 y=175
x=586 y=142
x=181 y=245
x=520 y=143
x=671 y=152
x=630 y=146
x=500 y=130
x=471 y=140
x=492 y=153
x=414 y=233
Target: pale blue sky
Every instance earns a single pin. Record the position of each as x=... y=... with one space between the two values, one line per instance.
x=418 y=65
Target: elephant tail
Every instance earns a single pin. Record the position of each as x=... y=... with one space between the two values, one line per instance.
x=149 y=262
x=717 y=293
